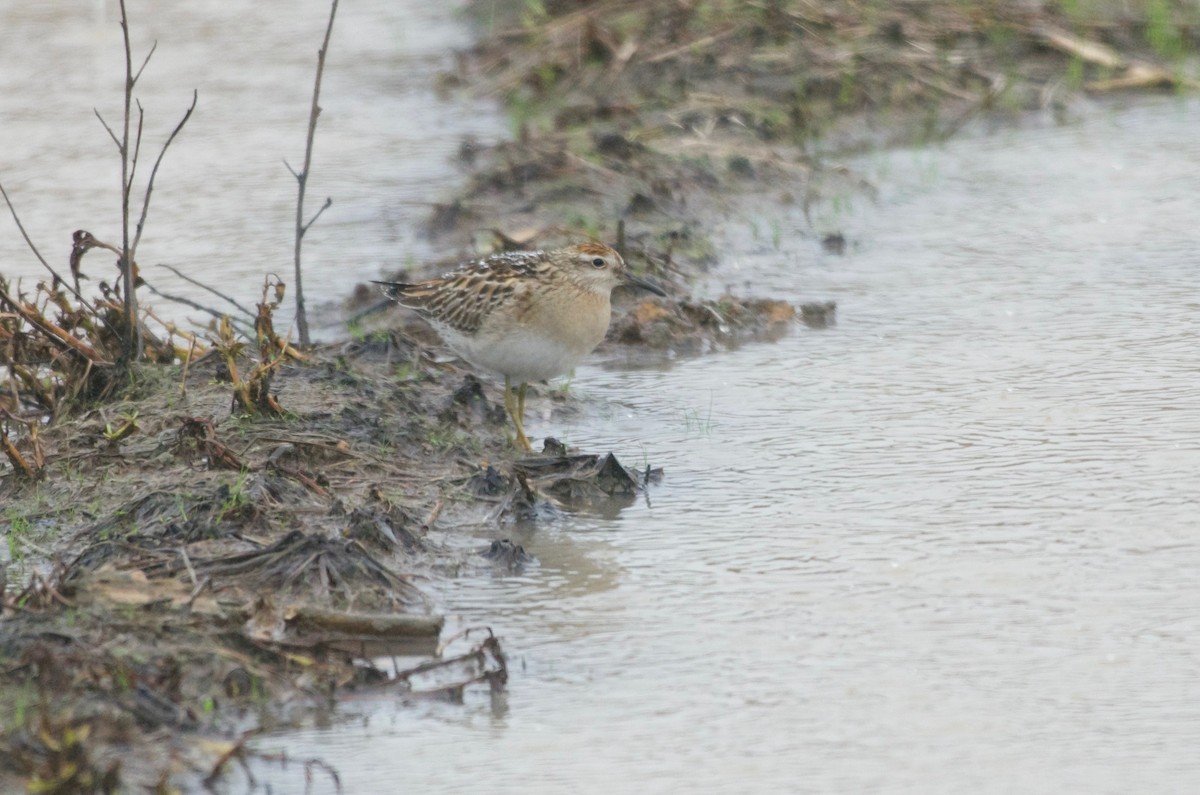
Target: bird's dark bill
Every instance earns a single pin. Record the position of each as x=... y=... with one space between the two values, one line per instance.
x=645 y=284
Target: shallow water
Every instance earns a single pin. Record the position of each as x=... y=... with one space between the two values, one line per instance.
x=947 y=545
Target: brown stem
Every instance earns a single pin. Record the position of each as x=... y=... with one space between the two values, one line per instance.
x=133 y=340
x=302 y=180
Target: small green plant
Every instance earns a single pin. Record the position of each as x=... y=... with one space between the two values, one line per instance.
x=447 y=436
x=1162 y=32
x=120 y=677
x=535 y=13
x=127 y=426
x=700 y=424
x=19 y=530
x=588 y=226
x=1074 y=75
x=405 y=372
x=547 y=75
x=1073 y=10
x=258 y=692
x=521 y=109
x=239 y=497
x=847 y=89
x=21 y=706
x=840 y=204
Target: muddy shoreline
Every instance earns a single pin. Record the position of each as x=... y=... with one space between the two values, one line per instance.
x=181 y=571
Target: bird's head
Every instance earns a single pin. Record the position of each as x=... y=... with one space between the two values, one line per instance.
x=599 y=268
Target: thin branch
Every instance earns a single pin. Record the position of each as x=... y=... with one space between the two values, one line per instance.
x=137 y=147
x=204 y=286
x=154 y=172
x=57 y=279
x=112 y=134
x=302 y=178
x=153 y=47
x=288 y=166
x=324 y=207
x=25 y=234
x=366 y=312
x=132 y=349
x=245 y=327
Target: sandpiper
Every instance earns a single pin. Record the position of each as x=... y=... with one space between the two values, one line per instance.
x=526 y=315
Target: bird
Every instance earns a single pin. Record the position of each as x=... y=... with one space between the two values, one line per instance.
x=524 y=315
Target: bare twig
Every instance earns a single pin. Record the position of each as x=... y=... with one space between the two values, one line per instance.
x=302 y=180
x=25 y=234
x=188 y=565
x=111 y=134
x=137 y=145
x=154 y=171
x=242 y=325
x=313 y=220
x=142 y=68
x=58 y=279
x=204 y=286
x=132 y=337
x=133 y=340
x=374 y=308
x=235 y=751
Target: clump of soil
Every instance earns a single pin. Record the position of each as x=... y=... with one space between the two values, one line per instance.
x=693 y=327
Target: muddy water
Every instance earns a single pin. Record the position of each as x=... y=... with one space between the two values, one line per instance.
x=223 y=207
x=947 y=546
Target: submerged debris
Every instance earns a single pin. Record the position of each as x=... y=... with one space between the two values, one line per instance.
x=583 y=480
x=448 y=677
x=819 y=314
x=507 y=555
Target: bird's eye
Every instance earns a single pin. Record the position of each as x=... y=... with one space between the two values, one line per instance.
x=598 y=262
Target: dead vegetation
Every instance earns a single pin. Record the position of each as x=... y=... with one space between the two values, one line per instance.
x=61 y=350
x=675 y=72
x=252 y=394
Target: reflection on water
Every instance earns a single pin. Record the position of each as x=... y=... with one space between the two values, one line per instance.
x=946 y=546
x=223 y=209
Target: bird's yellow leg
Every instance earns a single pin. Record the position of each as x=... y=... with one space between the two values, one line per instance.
x=511 y=403
x=521 y=413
